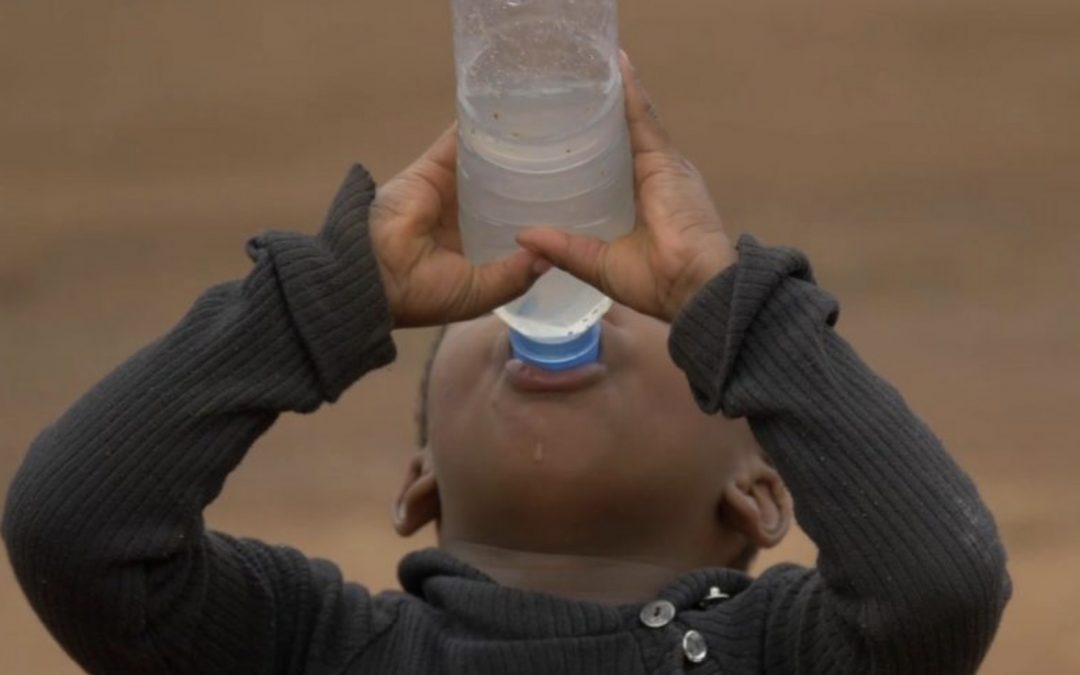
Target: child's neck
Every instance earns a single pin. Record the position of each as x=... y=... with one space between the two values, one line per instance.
x=611 y=581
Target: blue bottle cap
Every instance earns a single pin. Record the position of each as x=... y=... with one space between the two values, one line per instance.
x=557 y=356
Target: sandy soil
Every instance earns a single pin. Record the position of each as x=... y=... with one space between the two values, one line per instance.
x=924 y=153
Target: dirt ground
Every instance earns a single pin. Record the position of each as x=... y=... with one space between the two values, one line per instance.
x=924 y=153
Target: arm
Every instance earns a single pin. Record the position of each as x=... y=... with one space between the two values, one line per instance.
x=104 y=520
x=911 y=576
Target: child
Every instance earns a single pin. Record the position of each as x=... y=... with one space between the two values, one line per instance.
x=589 y=522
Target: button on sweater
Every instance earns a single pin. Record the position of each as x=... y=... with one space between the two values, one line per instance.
x=104 y=526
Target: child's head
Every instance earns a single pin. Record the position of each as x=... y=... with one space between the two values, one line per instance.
x=621 y=463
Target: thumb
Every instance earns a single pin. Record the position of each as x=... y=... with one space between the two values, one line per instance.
x=442 y=153
x=497 y=283
x=647 y=134
x=583 y=257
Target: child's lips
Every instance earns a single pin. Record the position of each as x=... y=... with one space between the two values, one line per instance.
x=529 y=379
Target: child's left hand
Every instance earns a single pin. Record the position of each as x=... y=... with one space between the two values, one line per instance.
x=415 y=237
x=678 y=243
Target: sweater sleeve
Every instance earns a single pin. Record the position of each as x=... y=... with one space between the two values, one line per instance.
x=103 y=522
x=911 y=573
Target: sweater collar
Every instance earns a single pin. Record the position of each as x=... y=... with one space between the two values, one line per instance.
x=446 y=583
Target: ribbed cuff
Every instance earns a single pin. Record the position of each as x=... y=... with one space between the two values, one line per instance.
x=708 y=333
x=333 y=290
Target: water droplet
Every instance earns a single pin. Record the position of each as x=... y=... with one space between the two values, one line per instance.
x=538 y=453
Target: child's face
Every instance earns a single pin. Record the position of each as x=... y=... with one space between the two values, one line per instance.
x=618 y=458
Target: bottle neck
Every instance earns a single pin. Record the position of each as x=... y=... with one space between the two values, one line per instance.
x=558 y=355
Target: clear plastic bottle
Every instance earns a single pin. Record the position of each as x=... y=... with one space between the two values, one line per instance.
x=542 y=141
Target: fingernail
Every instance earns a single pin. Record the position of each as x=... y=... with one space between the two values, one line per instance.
x=541 y=267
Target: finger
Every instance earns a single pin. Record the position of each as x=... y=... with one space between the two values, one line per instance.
x=497 y=283
x=646 y=132
x=583 y=257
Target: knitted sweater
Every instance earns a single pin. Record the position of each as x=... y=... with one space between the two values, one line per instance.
x=104 y=526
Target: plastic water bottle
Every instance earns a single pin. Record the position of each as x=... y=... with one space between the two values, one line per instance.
x=542 y=141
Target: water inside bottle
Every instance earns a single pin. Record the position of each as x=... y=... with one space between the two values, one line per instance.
x=550 y=150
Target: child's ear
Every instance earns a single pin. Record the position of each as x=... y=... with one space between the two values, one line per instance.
x=418 y=502
x=757 y=503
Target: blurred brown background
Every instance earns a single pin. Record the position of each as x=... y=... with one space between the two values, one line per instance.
x=925 y=153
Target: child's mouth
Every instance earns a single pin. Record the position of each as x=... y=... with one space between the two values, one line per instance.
x=529 y=379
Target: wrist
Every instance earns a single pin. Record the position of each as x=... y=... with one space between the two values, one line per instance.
x=709 y=263
x=380 y=230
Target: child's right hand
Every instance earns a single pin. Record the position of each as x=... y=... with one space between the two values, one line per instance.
x=678 y=243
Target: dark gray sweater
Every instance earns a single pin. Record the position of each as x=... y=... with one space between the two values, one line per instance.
x=104 y=524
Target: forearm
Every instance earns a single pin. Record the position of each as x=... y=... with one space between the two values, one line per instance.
x=909 y=556
x=116 y=487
